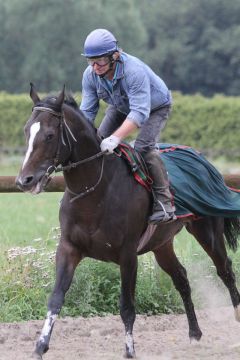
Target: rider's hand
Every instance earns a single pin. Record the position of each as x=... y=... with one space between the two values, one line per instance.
x=110 y=143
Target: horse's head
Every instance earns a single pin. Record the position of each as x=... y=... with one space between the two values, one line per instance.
x=44 y=135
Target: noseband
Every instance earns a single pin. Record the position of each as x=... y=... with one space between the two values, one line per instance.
x=57 y=166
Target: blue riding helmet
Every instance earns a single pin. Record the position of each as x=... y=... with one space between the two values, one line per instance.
x=100 y=42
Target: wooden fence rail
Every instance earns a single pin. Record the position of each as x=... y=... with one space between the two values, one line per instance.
x=7 y=184
x=57 y=184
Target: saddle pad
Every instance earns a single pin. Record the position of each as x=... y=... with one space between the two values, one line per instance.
x=197 y=186
x=134 y=160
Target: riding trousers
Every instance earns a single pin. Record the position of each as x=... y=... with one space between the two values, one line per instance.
x=149 y=133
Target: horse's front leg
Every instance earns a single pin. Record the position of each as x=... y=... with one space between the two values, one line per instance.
x=67 y=258
x=128 y=268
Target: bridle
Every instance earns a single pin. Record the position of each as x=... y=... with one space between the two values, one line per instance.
x=57 y=166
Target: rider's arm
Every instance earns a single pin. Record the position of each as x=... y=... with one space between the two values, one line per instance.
x=139 y=96
x=127 y=127
x=90 y=102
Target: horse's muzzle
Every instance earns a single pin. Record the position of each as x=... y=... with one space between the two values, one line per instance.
x=30 y=183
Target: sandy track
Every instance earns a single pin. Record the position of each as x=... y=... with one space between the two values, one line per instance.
x=162 y=337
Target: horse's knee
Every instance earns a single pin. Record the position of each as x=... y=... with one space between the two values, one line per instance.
x=55 y=302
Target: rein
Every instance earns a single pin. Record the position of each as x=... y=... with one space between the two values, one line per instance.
x=57 y=167
x=74 y=165
x=88 y=190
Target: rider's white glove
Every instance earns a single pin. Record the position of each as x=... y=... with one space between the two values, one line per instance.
x=110 y=143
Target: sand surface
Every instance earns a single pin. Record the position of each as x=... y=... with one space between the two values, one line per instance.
x=156 y=337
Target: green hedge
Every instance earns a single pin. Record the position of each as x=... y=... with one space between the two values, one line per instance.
x=209 y=124
x=14 y=111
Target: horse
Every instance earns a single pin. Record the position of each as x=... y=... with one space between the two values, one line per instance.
x=104 y=213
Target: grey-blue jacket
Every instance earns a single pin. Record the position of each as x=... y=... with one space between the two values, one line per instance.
x=136 y=90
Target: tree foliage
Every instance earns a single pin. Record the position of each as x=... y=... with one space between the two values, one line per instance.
x=192 y=44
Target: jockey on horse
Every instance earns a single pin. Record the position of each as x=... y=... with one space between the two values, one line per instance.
x=137 y=99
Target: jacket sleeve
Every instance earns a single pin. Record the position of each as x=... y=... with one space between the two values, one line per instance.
x=90 y=102
x=139 y=97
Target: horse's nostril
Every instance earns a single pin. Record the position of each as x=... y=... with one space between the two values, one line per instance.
x=27 y=180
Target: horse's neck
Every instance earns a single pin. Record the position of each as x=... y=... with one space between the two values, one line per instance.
x=103 y=175
x=86 y=142
x=86 y=146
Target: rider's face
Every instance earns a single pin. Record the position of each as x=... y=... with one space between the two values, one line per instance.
x=100 y=65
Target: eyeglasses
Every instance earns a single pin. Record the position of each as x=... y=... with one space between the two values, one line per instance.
x=101 y=61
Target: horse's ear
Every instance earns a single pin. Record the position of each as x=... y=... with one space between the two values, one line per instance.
x=33 y=94
x=61 y=96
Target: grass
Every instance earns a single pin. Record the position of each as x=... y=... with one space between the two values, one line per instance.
x=24 y=218
x=28 y=237
x=10 y=165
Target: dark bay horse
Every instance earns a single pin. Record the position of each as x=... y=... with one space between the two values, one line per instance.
x=104 y=212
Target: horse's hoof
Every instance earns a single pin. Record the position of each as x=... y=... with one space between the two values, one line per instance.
x=41 y=348
x=36 y=356
x=237 y=312
x=130 y=352
x=195 y=336
x=130 y=355
x=194 y=341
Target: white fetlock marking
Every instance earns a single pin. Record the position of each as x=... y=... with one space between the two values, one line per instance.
x=237 y=313
x=49 y=322
x=194 y=341
x=129 y=343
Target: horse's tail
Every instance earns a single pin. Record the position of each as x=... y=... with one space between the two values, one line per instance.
x=232 y=232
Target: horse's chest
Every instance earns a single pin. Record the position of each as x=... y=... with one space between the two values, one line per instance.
x=96 y=242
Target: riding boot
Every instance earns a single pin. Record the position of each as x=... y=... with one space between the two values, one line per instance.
x=163 y=208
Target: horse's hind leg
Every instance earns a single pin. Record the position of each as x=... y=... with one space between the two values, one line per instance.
x=67 y=258
x=209 y=232
x=128 y=268
x=168 y=261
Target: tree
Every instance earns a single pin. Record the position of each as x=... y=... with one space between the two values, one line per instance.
x=192 y=44
x=47 y=49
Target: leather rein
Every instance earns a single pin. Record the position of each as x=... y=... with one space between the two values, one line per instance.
x=57 y=166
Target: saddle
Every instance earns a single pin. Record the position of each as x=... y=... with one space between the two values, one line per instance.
x=136 y=163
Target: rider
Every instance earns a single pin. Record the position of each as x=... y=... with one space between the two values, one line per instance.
x=137 y=99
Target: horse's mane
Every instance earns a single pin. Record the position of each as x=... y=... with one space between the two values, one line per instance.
x=69 y=100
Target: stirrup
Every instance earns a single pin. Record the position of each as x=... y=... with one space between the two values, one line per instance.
x=162 y=215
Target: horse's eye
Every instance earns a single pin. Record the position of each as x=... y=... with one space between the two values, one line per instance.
x=49 y=137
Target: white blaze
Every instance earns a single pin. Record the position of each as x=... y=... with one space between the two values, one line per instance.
x=33 y=132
